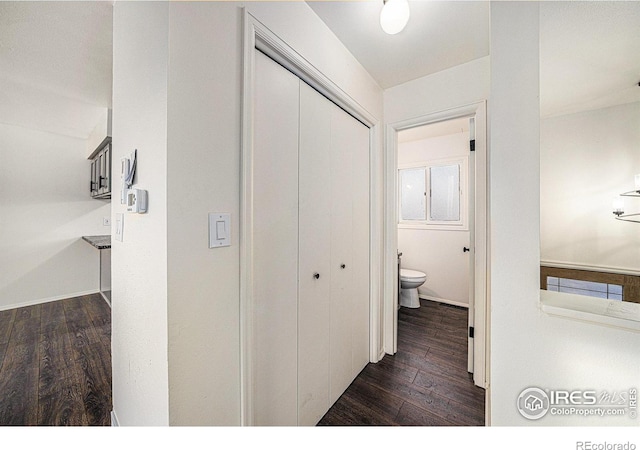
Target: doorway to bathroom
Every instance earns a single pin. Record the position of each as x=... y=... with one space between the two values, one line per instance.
x=434 y=194
x=436 y=213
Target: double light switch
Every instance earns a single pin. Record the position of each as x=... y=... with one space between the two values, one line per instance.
x=219 y=230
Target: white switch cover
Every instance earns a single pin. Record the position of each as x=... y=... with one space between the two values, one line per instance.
x=119 y=231
x=219 y=230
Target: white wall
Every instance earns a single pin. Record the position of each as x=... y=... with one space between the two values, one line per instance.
x=438 y=253
x=528 y=347
x=179 y=66
x=139 y=263
x=203 y=175
x=45 y=209
x=459 y=86
x=100 y=131
x=586 y=160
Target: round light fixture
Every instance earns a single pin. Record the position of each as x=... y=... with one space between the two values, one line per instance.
x=394 y=16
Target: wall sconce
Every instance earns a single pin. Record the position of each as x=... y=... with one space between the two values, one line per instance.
x=394 y=16
x=618 y=203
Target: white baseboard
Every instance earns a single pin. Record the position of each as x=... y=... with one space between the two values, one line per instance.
x=114 y=419
x=47 y=300
x=104 y=297
x=444 y=300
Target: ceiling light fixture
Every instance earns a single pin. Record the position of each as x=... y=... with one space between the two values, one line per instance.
x=618 y=203
x=394 y=16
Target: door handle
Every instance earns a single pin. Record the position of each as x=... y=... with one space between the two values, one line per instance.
x=316 y=275
x=342 y=266
x=465 y=249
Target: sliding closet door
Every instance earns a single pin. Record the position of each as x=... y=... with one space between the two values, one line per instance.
x=360 y=313
x=349 y=337
x=341 y=187
x=310 y=243
x=315 y=278
x=333 y=317
x=275 y=243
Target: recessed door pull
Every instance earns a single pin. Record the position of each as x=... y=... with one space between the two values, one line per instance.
x=342 y=266
x=316 y=275
x=465 y=249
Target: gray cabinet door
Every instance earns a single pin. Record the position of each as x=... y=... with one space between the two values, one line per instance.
x=93 y=188
x=107 y=169
x=100 y=184
x=104 y=179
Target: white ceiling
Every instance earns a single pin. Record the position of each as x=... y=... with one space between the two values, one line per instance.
x=589 y=55
x=439 y=35
x=55 y=60
x=56 y=57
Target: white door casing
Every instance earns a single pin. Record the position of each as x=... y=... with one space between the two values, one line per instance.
x=479 y=240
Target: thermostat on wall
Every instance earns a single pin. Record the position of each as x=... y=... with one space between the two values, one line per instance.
x=137 y=201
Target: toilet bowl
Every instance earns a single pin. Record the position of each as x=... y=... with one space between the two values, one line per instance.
x=410 y=280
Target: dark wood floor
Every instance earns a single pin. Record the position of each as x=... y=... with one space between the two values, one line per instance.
x=55 y=363
x=55 y=369
x=424 y=383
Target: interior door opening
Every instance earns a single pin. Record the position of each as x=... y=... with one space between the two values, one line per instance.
x=436 y=214
x=435 y=217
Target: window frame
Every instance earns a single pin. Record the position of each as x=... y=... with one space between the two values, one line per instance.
x=427 y=223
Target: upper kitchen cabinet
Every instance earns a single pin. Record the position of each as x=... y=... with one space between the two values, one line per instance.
x=99 y=148
x=100 y=186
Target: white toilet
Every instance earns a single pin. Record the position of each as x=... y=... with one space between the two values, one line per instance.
x=410 y=280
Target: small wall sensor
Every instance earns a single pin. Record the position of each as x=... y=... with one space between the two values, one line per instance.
x=137 y=201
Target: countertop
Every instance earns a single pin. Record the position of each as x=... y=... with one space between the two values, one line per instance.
x=100 y=242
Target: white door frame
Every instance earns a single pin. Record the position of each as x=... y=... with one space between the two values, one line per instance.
x=481 y=306
x=257 y=37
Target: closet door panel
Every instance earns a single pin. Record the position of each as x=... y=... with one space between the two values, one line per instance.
x=341 y=251
x=341 y=198
x=360 y=244
x=314 y=256
x=275 y=243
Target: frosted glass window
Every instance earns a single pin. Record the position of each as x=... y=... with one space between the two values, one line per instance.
x=412 y=194
x=445 y=193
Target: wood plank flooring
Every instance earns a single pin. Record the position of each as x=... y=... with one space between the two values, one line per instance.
x=424 y=383
x=55 y=369
x=55 y=363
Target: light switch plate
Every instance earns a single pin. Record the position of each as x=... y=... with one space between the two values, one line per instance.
x=219 y=230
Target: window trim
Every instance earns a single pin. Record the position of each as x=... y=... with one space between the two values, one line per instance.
x=428 y=224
